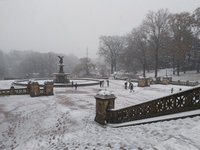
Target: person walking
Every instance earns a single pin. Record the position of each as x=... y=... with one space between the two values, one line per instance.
x=76 y=86
x=125 y=85
x=131 y=87
x=172 y=90
x=107 y=82
x=101 y=83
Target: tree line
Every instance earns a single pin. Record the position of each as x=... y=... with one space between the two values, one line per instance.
x=28 y=64
x=162 y=40
x=31 y=64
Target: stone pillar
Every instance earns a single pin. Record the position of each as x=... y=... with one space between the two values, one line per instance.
x=142 y=82
x=12 y=90
x=34 y=89
x=48 y=88
x=166 y=80
x=104 y=101
x=158 y=80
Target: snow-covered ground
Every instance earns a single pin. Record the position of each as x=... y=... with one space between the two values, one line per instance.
x=65 y=121
x=189 y=75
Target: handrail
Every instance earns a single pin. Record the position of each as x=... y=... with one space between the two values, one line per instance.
x=175 y=103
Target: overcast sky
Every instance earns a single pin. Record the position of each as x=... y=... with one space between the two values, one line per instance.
x=72 y=26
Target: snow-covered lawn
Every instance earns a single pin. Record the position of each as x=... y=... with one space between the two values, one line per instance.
x=189 y=75
x=66 y=121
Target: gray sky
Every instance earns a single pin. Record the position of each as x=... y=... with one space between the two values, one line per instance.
x=70 y=26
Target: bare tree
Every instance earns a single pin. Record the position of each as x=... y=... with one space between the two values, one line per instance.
x=84 y=68
x=137 y=46
x=141 y=45
x=157 y=27
x=110 y=48
x=196 y=41
x=196 y=27
x=2 y=65
x=181 y=34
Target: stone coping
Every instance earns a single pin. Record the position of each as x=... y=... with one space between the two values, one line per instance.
x=94 y=82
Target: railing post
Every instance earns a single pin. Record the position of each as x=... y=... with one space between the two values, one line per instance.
x=142 y=82
x=12 y=90
x=166 y=80
x=104 y=102
x=34 y=89
x=158 y=80
x=187 y=83
x=48 y=88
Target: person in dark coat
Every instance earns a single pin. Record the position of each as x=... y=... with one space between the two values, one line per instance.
x=100 y=83
x=131 y=87
x=125 y=85
x=107 y=82
x=172 y=90
x=76 y=85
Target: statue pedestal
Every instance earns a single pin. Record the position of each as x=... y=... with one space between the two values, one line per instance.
x=61 y=77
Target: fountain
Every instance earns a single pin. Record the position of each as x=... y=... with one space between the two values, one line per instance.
x=61 y=77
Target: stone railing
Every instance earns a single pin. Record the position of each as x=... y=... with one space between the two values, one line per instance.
x=33 y=89
x=185 y=83
x=21 y=91
x=13 y=91
x=168 y=80
x=5 y=92
x=175 y=103
x=42 y=92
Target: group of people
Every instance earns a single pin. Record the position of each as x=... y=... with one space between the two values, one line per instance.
x=101 y=83
x=129 y=85
x=75 y=85
x=172 y=90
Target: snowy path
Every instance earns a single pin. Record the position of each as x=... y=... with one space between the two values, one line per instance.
x=66 y=121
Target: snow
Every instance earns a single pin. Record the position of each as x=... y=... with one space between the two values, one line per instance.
x=189 y=75
x=66 y=121
x=6 y=84
x=104 y=92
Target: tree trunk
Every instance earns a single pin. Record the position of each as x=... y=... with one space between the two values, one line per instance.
x=173 y=65
x=184 y=67
x=197 y=67
x=156 y=63
x=115 y=66
x=112 y=68
x=144 y=67
x=178 y=67
x=197 y=64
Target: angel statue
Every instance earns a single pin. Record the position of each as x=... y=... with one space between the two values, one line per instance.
x=61 y=59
